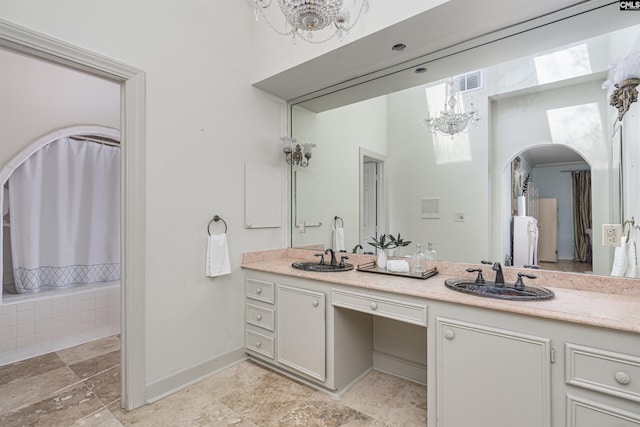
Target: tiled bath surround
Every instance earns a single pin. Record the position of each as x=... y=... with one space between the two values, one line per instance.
x=32 y=325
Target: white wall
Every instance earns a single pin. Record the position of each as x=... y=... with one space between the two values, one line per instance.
x=204 y=120
x=37 y=98
x=423 y=165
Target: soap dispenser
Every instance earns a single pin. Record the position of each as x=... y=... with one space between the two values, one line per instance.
x=431 y=254
x=418 y=261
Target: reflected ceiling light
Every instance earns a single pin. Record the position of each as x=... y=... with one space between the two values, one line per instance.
x=294 y=154
x=452 y=120
x=306 y=17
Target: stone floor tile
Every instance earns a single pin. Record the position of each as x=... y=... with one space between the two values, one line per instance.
x=18 y=371
x=62 y=409
x=374 y=393
x=89 y=350
x=90 y=367
x=241 y=376
x=28 y=391
x=105 y=385
x=184 y=408
x=270 y=398
x=323 y=413
x=99 y=418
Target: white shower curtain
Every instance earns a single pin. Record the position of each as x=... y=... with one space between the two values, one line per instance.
x=65 y=216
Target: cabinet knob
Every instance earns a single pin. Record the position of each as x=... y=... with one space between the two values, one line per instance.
x=449 y=334
x=258 y=343
x=258 y=316
x=373 y=306
x=623 y=378
x=315 y=303
x=258 y=291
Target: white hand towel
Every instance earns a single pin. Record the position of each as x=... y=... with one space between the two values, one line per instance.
x=620 y=258
x=397 y=265
x=338 y=239
x=632 y=260
x=217 y=262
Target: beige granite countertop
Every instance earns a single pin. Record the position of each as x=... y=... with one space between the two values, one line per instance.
x=590 y=300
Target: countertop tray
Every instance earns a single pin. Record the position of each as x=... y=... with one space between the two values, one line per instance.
x=371 y=267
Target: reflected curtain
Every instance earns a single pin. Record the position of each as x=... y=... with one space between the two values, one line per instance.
x=581 y=185
x=65 y=216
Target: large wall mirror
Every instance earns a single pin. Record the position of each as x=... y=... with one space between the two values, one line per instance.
x=545 y=120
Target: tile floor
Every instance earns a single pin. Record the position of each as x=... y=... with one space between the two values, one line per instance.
x=80 y=386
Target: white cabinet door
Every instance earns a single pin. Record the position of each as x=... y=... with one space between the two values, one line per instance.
x=490 y=377
x=301 y=330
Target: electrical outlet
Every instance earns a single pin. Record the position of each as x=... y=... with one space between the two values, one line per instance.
x=458 y=217
x=611 y=234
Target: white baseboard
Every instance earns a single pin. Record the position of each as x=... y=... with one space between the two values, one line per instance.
x=156 y=390
x=400 y=368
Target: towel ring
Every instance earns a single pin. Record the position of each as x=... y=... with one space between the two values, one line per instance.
x=216 y=218
x=632 y=225
x=335 y=221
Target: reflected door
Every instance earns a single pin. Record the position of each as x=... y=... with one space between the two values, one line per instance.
x=548 y=229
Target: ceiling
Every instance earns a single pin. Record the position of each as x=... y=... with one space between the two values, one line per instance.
x=550 y=155
x=369 y=68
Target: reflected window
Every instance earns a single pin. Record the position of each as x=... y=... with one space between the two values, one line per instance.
x=563 y=64
x=578 y=126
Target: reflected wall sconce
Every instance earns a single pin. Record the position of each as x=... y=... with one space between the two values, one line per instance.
x=295 y=154
x=625 y=80
x=624 y=94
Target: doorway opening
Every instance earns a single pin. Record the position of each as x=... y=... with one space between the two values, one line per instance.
x=132 y=81
x=372 y=196
x=550 y=222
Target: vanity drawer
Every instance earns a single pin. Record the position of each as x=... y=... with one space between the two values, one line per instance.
x=259 y=343
x=262 y=317
x=260 y=290
x=607 y=372
x=379 y=306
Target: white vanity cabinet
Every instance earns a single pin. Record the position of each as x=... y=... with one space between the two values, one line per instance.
x=489 y=376
x=285 y=325
x=259 y=333
x=491 y=368
x=600 y=383
x=301 y=330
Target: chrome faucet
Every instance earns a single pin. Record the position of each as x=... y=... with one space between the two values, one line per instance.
x=333 y=256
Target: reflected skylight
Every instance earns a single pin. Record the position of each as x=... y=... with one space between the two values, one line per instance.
x=563 y=64
x=579 y=126
x=446 y=149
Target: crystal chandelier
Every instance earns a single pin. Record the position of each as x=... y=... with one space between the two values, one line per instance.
x=452 y=120
x=294 y=154
x=305 y=17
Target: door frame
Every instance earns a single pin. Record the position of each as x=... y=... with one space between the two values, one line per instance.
x=132 y=127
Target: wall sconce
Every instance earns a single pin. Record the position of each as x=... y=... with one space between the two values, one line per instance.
x=624 y=94
x=626 y=77
x=294 y=154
